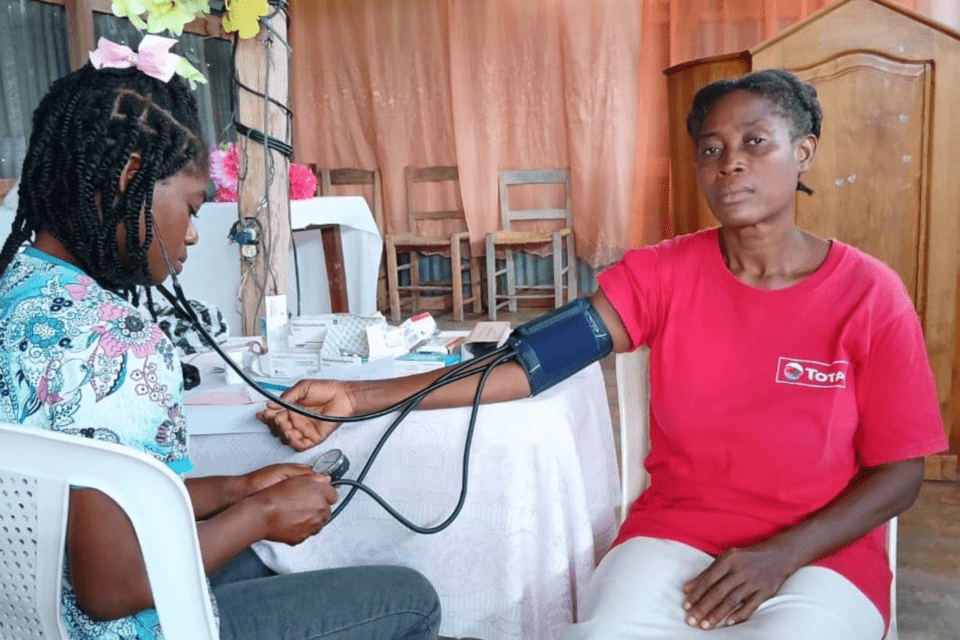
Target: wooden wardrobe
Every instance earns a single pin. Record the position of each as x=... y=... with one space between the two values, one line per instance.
x=887 y=173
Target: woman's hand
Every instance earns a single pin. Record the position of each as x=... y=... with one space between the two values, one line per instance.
x=295 y=508
x=260 y=479
x=735 y=584
x=739 y=580
x=327 y=397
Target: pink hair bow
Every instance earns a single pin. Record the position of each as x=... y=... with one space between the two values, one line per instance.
x=154 y=57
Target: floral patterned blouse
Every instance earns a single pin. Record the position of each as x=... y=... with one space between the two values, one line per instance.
x=78 y=359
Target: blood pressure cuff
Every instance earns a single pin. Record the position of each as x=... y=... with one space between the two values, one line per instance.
x=556 y=345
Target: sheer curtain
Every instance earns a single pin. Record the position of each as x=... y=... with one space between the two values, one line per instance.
x=504 y=84
x=497 y=84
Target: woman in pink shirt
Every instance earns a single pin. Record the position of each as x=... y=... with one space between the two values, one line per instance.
x=791 y=401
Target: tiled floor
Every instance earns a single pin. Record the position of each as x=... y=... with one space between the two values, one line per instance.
x=928 y=581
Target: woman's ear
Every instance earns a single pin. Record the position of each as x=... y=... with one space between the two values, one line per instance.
x=806 y=149
x=129 y=170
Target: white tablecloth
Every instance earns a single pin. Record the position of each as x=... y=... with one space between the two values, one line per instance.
x=539 y=511
x=212 y=272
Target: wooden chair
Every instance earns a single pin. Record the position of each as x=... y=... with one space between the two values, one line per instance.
x=414 y=242
x=509 y=239
x=329 y=178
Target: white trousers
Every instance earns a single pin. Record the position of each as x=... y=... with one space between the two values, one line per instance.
x=636 y=594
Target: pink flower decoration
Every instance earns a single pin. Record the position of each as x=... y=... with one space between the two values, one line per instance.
x=231 y=166
x=225 y=171
x=225 y=166
x=225 y=194
x=303 y=184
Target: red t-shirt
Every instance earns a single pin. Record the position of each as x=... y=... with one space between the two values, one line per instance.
x=765 y=404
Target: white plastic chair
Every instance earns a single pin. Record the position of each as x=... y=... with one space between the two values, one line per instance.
x=633 y=399
x=37 y=468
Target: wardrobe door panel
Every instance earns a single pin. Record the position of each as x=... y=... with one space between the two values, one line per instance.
x=869 y=172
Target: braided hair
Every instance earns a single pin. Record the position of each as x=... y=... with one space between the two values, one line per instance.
x=794 y=100
x=84 y=131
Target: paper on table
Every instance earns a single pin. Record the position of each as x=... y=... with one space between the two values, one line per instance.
x=222 y=395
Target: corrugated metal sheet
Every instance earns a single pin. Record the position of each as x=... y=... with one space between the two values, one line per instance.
x=530 y=270
x=33 y=53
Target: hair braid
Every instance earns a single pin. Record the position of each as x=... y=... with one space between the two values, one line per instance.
x=85 y=130
x=793 y=98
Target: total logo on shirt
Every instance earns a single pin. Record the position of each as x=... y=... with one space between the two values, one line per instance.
x=811 y=373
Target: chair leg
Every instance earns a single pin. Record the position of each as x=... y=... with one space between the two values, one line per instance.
x=456 y=278
x=571 y=269
x=475 y=283
x=414 y=282
x=382 y=297
x=491 y=259
x=511 y=281
x=392 y=281
x=557 y=271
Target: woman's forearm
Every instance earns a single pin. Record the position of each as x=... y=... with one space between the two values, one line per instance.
x=212 y=494
x=506 y=382
x=878 y=494
x=106 y=567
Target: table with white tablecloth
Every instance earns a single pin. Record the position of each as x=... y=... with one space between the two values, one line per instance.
x=539 y=511
x=212 y=272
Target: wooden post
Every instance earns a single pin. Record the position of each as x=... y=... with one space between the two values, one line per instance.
x=261 y=61
x=79 y=15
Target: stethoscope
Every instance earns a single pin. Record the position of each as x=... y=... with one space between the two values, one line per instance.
x=334 y=462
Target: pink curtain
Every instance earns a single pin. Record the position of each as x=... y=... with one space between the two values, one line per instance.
x=508 y=84
x=370 y=88
x=490 y=85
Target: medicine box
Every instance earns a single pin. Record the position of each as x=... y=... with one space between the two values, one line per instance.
x=294 y=363
x=419 y=362
x=443 y=342
x=309 y=330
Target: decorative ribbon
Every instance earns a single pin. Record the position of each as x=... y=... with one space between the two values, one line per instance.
x=154 y=57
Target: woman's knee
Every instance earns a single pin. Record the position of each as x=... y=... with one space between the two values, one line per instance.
x=414 y=583
x=413 y=592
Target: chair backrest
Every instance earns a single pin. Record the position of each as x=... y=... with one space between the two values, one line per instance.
x=508 y=178
x=416 y=175
x=892 y=631
x=37 y=468
x=633 y=402
x=329 y=178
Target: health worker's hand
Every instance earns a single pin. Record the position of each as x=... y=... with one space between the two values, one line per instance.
x=296 y=508
x=327 y=397
x=259 y=479
x=734 y=585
